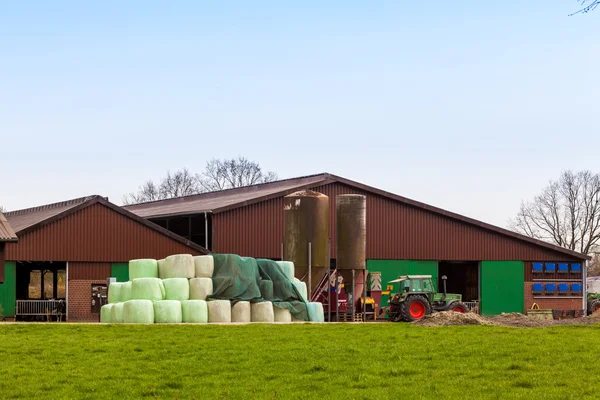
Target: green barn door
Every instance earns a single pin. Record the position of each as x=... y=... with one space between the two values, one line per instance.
x=502 y=287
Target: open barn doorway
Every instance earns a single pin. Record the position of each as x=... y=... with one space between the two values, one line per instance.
x=41 y=290
x=463 y=278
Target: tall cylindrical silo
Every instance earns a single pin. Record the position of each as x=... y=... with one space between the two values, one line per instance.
x=351 y=240
x=306 y=220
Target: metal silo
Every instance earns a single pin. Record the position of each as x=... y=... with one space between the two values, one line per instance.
x=351 y=243
x=306 y=224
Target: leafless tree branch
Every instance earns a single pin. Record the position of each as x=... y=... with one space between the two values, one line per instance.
x=587 y=6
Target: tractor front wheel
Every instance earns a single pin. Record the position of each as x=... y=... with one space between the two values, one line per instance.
x=457 y=306
x=594 y=306
x=414 y=308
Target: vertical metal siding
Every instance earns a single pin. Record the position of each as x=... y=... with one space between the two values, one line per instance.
x=94 y=234
x=394 y=231
x=99 y=271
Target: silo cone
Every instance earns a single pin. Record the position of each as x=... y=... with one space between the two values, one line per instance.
x=306 y=220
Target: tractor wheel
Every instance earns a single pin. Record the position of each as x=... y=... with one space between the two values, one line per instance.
x=457 y=306
x=415 y=308
x=594 y=306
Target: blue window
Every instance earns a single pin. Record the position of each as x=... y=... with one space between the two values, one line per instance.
x=550 y=268
x=563 y=288
x=538 y=267
x=576 y=268
x=550 y=288
x=576 y=288
x=563 y=268
x=537 y=288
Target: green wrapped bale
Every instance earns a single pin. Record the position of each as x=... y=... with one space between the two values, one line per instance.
x=301 y=287
x=114 y=292
x=177 y=266
x=241 y=312
x=145 y=268
x=116 y=313
x=105 y=313
x=263 y=312
x=315 y=312
x=167 y=312
x=282 y=314
x=138 y=312
x=219 y=311
x=176 y=289
x=147 y=289
x=200 y=288
x=126 y=291
x=194 y=311
x=204 y=266
x=287 y=267
x=266 y=289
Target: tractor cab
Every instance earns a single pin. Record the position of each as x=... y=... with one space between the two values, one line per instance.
x=417 y=298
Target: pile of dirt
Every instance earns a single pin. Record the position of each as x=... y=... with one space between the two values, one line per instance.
x=451 y=318
x=595 y=314
x=522 y=320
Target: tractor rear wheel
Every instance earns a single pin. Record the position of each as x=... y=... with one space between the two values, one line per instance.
x=457 y=306
x=594 y=306
x=414 y=308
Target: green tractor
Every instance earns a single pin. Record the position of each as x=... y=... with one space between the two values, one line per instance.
x=593 y=302
x=417 y=298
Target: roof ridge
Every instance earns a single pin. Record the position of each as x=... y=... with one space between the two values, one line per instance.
x=78 y=200
x=323 y=174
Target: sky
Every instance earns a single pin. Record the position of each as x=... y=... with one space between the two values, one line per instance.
x=471 y=106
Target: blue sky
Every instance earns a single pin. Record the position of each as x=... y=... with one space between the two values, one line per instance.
x=471 y=106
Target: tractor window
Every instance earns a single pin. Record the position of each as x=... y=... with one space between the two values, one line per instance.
x=415 y=286
x=427 y=286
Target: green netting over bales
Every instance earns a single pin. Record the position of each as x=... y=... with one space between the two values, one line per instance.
x=238 y=278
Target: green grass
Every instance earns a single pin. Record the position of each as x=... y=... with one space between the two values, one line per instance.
x=372 y=361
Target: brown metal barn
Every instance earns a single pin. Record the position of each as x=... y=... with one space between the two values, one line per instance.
x=485 y=263
x=67 y=251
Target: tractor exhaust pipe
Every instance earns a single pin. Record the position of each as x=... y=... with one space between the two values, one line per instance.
x=444 y=277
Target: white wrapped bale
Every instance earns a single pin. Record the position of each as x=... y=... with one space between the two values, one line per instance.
x=219 y=311
x=114 y=292
x=144 y=268
x=315 y=312
x=126 y=291
x=177 y=266
x=263 y=312
x=301 y=287
x=287 y=267
x=167 y=312
x=194 y=311
x=138 y=312
x=282 y=314
x=116 y=313
x=176 y=289
x=204 y=266
x=147 y=289
x=200 y=288
x=105 y=313
x=241 y=312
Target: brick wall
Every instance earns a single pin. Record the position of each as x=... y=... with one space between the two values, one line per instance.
x=555 y=302
x=80 y=300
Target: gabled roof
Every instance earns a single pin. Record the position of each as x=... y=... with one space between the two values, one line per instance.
x=216 y=202
x=29 y=219
x=7 y=234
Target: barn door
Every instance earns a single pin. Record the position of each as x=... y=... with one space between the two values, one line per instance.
x=502 y=287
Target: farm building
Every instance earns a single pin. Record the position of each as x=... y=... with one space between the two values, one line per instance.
x=497 y=269
x=66 y=252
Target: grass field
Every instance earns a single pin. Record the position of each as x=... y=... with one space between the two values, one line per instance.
x=373 y=361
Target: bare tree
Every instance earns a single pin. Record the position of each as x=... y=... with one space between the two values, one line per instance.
x=3 y=209
x=176 y=184
x=233 y=173
x=588 y=5
x=566 y=213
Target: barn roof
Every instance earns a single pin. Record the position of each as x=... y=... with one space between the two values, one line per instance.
x=27 y=220
x=7 y=234
x=225 y=200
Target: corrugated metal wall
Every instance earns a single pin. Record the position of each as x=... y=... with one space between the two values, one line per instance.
x=94 y=234
x=79 y=270
x=394 y=231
